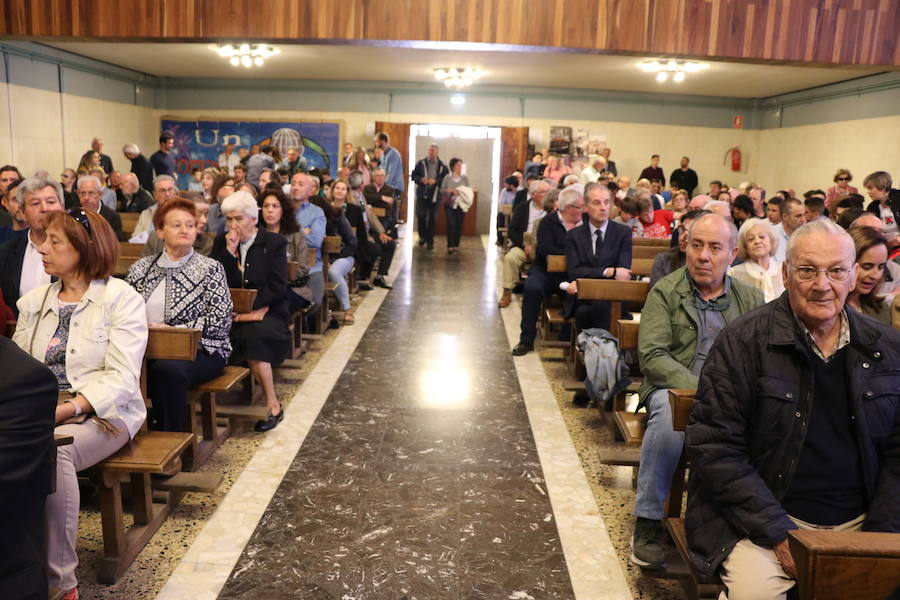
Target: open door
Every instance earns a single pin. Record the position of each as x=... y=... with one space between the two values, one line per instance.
x=399 y=134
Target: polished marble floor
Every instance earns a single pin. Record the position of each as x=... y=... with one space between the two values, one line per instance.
x=420 y=478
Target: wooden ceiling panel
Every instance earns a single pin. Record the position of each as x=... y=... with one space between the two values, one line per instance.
x=862 y=32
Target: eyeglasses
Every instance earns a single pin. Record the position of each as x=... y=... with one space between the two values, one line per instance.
x=836 y=274
x=843 y=179
x=79 y=215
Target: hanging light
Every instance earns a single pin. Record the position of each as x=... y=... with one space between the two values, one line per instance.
x=677 y=70
x=246 y=54
x=457 y=77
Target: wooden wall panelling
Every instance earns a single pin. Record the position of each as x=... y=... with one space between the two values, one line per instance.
x=513 y=150
x=821 y=31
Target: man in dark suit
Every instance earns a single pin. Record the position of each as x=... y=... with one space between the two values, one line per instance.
x=89 y=197
x=428 y=175
x=21 y=267
x=551 y=239
x=105 y=160
x=140 y=166
x=374 y=241
x=380 y=195
x=600 y=249
x=27 y=470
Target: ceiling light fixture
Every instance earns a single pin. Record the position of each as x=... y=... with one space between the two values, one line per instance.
x=246 y=54
x=677 y=70
x=457 y=99
x=457 y=77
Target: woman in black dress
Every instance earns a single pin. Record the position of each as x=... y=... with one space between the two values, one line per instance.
x=256 y=259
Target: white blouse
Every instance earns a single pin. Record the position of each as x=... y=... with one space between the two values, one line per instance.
x=768 y=281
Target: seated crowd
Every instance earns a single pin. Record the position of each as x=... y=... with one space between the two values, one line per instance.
x=753 y=305
x=82 y=324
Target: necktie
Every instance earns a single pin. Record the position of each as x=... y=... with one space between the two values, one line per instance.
x=599 y=244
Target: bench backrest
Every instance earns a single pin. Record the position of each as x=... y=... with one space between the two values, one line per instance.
x=834 y=565
x=293 y=270
x=616 y=292
x=646 y=251
x=378 y=211
x=311 y=253
x=556 y=263
x=331 y=244
x=172 y=343
x=129 y=221
x=664 y=242
x=642 y=266
x=123 y=264
x=242 y=299
x=126 y=249
x=628 y=334
x=506 y=209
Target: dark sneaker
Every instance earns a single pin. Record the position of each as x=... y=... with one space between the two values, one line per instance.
x=646 y=550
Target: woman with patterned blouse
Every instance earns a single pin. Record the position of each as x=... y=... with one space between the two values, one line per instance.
x=182 y=288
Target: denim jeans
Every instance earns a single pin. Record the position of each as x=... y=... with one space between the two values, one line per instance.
x=337 y=274
x=660 y=452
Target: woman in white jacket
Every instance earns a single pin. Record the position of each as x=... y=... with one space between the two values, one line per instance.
x=91 y=331
x=757 y=245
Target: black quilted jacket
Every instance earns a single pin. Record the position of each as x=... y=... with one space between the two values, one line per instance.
x=749 y=423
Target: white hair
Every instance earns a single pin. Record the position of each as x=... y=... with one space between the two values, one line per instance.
x=819 y=226
x=241 y=201
x=712 y=205
x=570 y=180
x=131 y=149
x=745 y=230
x=568 y=197
x=533 y=186
x=85 y=178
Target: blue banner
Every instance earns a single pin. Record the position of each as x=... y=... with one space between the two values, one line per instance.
x=198 y=143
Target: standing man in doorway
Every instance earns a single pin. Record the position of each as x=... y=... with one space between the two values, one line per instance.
x=392 y=163
x=428 y=175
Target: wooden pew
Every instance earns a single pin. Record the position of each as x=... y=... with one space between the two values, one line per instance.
x=629 y=426
x=678 y=565
x=664 y=242
x=641 y=266
x=242 y=299
x=378 y=211
x=617 y=293
x=506 y=210
x=837 y=565
x=639 y=251
x=134 y=250
x=551 y=313
x=123 y=264
x=129 y=222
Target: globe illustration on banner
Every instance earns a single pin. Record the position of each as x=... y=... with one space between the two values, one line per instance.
x=285 y=138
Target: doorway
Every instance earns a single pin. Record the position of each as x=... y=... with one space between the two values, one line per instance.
x=479 y=148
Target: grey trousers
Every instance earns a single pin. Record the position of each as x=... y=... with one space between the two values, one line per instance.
x=90 y=446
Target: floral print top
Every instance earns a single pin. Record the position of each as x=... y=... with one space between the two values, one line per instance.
x=56 y=351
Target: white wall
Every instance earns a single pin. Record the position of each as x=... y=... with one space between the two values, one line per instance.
x=807 y=157
x=42 y=129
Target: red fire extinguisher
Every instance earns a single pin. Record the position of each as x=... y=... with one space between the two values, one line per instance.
x=735 y=153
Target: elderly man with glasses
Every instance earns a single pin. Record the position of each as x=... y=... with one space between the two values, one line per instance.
x=163 y=190
x=523 y=219
x=796 y=423
x=89 y=194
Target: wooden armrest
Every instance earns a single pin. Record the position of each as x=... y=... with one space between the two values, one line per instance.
x=682 y=402
x=243 y=299
x=556 y=263
x=172 y=343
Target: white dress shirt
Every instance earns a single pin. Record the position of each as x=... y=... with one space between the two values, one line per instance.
x=594 y=230
x=33 y=274
x=533 y=215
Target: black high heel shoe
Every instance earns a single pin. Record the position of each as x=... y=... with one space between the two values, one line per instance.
x=270 y=422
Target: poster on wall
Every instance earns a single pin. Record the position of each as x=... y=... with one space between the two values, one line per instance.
x=560 y=140
x=199 y=142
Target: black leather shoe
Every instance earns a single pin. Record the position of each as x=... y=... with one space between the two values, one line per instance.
x=364 y=286
x=522 y=349
x=380 y=282
x=270 y=422
x=422 y=242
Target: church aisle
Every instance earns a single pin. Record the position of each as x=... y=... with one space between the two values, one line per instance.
x=420 y=478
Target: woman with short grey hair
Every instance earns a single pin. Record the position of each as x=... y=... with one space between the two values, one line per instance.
x=757 y=246
x=256 y=259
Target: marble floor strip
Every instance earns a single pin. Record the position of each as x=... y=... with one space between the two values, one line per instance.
x=420 y=479
x=205 y=568
x=590 y=556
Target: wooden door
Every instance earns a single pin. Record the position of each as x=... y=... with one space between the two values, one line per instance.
x=399 y=135
x=513 y=150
